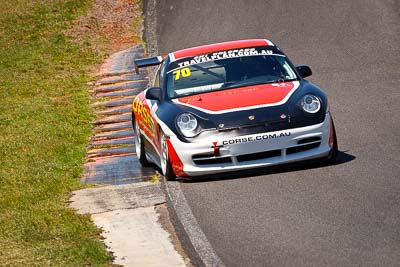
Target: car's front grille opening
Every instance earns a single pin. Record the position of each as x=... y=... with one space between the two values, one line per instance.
x=210 y=159
x=309 y=140
x=297 y=149
x=243 y=127
x=258 y=127
x=259 y=155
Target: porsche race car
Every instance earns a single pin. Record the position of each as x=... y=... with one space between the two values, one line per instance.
x=230 y=106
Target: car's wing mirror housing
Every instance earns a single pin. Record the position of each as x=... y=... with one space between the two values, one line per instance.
x=304 y=71
x=154 y=93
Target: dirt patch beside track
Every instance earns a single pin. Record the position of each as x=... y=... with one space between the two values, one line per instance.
x=110 y=26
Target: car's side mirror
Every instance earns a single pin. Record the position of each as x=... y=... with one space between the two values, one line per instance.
x=154 y=93
x=304 y=71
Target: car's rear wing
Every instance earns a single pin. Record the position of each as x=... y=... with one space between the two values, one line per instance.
x=147 y=62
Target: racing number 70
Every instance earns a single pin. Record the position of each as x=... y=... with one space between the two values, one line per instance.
x=185 y=72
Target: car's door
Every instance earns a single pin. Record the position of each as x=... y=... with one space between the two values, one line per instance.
x=153 y=106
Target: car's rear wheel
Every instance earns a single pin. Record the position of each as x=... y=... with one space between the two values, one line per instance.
x=166 y=167
x=139 y=145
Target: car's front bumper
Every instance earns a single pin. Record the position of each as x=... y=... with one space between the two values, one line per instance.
x=218 y=154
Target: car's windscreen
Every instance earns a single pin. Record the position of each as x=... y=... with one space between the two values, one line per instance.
x=218 y=72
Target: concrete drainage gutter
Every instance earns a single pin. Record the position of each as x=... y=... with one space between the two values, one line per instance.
x=130 y=223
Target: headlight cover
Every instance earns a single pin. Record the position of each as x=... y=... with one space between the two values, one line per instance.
x=187 y=124
x=310 y=103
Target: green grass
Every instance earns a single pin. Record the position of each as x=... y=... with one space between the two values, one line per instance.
x=44 y=128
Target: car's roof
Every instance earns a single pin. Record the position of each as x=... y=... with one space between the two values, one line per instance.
x=205 y=49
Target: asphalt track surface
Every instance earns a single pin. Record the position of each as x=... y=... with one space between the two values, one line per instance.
x=338 y=215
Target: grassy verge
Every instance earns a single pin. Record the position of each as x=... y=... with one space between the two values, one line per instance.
x=44 y=128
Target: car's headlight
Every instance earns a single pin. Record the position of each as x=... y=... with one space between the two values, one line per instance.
x=187 y=124
x=310 y=103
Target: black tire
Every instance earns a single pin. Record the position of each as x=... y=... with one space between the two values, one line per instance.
x=166 y=167
x=139 y=144
x=334 y=151
x=169 y=174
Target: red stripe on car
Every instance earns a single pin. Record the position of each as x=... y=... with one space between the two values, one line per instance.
x=238 y=98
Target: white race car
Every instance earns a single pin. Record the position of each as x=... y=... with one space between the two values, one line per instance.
x=227 y=107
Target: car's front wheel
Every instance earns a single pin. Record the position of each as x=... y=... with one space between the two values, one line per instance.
x=166 y=167
x=139 y=145
x=334 y=150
